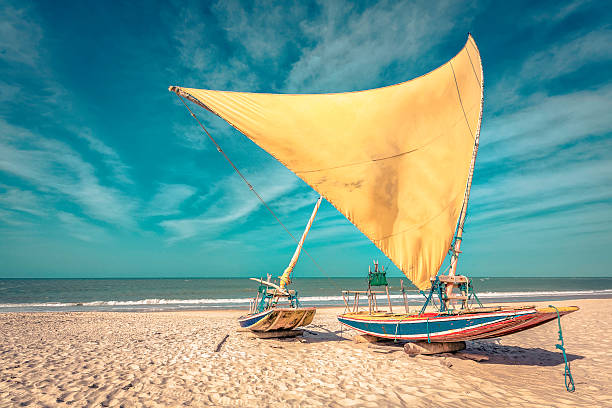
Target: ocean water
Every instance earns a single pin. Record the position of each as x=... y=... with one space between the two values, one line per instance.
x=24 y=295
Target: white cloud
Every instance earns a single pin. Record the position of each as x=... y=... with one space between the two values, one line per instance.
x=547 y=164
x=52 y=166
x=109 y=155
x=352 y=47
x=200 y=56
x=7 y=91
x=13 y=219
x=529 y=78
x=261 y=28
x=546 y=123
x=81 y=229
x=562 y=11
x=572 y=185
x=19 y=36
x=168 y=199
x=568 y=56
x=235 y=203
x=296 y=201
x=21 y=200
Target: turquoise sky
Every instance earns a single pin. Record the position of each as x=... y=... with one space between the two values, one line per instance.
x=104 y=174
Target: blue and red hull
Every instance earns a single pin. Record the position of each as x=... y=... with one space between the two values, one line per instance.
x=439 y=327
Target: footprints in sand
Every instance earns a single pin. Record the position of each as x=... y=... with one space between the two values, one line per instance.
x=169 y=359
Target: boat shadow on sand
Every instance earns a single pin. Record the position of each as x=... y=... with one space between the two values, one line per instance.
x=516 y=355
x=321 y=334
x=494 y=352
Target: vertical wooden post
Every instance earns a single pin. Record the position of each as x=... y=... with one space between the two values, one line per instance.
x=404 y=296
x=369 y=301
x=389 y=299
x=256 y=302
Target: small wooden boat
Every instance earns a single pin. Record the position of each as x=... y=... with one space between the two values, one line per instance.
x=279 y=318
x=448 y=324
x=453 y=326
x=265 y=314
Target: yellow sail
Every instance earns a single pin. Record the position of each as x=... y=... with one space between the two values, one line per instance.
x=394 y=160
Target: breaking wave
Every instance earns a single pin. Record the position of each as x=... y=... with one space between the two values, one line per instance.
x=209 y=303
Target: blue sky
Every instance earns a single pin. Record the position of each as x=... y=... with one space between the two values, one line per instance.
x=104 y=174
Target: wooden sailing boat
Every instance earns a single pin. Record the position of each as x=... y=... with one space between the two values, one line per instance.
x=398 y=162
x=265 y=313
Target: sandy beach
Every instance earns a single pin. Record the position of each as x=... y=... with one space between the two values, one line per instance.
x=168 y=359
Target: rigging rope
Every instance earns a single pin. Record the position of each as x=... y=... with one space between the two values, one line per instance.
x=254 y=191
x=569 y=380
x=461 y=102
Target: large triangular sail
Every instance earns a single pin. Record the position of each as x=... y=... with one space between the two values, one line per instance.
x=394 y=160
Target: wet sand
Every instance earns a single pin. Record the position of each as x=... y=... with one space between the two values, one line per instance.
x=168 y=359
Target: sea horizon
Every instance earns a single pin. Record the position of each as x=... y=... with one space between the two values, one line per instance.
x=205 y=293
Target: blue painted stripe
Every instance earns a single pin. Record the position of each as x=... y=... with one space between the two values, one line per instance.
x=250 y=320
x=421 y=328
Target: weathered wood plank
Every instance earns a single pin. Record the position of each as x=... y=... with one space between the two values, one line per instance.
x=423 y=347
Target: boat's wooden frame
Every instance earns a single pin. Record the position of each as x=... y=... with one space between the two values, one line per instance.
x=451 y=326
x=447 y=324
x=278 y=319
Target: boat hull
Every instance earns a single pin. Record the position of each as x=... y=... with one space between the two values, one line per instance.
x=278 y=319
x=437 y=327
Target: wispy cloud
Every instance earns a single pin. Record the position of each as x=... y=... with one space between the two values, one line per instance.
x=7 y=91
x=52 y=166
x=207 y=65
x=13 y=219
x=109 y=155
x=235 y=203
x=352 y=46
x=535 y=73
x=169 y=198
x=80 y=228
x=545 y=165
x=568 y=56
x=296 y=201
x=54 y=169
x=66 y=170
x=547 y=122
x=19 y=36
x=19 y=200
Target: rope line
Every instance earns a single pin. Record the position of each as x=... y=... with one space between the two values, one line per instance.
x=377 y=159
x=397 y=327
x=473 y=69
x=569 y=380
x=362 y=162
x=254 y=191
x=461 y=102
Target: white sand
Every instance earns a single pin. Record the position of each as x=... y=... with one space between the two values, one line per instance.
x=168 y=359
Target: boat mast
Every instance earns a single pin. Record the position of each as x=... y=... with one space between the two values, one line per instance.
x=284 y=278
x=456 y=246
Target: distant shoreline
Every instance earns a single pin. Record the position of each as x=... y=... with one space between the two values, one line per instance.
x=142 y=295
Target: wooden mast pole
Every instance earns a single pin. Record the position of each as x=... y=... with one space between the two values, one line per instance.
x=285 y=277
x=456 y=249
